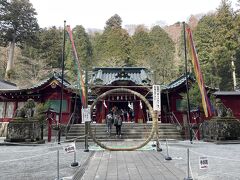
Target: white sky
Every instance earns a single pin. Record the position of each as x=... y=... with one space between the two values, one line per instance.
x=95 y=13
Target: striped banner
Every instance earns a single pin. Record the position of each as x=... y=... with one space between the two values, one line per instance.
x=79 y=70
x=192 y=51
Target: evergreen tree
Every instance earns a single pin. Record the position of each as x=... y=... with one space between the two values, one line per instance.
x=141 y=47
x=84 y=51
x=216 y=44
x=18 y=24
x=113 y=46
x=114 y=22
x=50 y=46
x=161 y=55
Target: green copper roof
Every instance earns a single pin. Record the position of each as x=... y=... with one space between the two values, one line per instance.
x=178 y=82
x=107 y=76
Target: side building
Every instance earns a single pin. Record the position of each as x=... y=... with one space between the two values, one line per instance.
x=47 y=91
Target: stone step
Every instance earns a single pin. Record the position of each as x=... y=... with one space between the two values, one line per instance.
x=114 y=132
x=125 y=137
x=129 y=131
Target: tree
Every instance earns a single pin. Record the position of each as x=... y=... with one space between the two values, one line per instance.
x=50 y=46
x=140 y=47
x=114 y=22
x=204 y=37
x=216 y=44
x=84 y=51
x=161 y=55
x=18 y=24
x=114 y=45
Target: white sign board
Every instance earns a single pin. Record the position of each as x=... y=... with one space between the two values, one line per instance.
x=156 y=98
x=70 y=148
x=203 y=162
x=86 y=115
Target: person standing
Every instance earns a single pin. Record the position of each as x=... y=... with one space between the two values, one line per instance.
x=109 y=121
x=118 y=124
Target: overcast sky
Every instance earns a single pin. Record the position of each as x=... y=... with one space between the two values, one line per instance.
x=95 y=13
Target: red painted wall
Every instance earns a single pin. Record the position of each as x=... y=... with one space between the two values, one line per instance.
x=232 y=102
x=48 y=93
x=55 y=94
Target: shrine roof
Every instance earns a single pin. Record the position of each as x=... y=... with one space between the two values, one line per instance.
x=40 y=85
x=227 y=93
x=179 y=82
x=66 y=84
x=109 y=75
x=5 y=85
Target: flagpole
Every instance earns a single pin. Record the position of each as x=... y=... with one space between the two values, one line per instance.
x=63 y=58
x=186 y=75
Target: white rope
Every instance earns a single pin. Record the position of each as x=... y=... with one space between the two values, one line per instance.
x=22 y=151
x=216 y=157
x=49 y=144
x=27 y=157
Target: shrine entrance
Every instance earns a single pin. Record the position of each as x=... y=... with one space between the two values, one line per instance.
x=131 y=107
x=149 y=107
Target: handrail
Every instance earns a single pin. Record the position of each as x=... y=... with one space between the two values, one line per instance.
x=69 y=121
x=176 y=119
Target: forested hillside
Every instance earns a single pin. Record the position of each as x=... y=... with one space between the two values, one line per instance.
x=38 y=51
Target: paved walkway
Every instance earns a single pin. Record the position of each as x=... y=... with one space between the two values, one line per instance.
x=40 y=162
x=134 y=165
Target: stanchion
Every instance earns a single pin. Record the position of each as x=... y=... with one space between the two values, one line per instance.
x=168 y=158
x=188 y=167
x=86 y=136
x=153 y=145
x=157 y=135
x=58 y=177
x=74 y=163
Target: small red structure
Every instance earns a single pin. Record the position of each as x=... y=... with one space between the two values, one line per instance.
x=231 y=99
x=50 y=118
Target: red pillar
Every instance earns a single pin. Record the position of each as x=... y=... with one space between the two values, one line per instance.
x=49 y=129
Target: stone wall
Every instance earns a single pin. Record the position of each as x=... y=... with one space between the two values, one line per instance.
x=3 y=129
x=221 y=128
x=23 y=131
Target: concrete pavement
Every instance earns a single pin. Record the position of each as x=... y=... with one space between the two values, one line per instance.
x=40 y=162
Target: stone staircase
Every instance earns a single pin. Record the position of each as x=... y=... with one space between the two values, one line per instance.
x=129 y=131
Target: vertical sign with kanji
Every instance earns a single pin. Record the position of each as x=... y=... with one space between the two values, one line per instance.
x=86 y=115
x=156 y=98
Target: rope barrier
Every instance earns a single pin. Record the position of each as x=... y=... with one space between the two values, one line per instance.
x=54 y=143
x=216 y=157
x=190 y=168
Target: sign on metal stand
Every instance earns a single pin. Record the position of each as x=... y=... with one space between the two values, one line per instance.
x=156 y=98
x=86 y=118
x=157 y=110
x=70 y=148
x=86 y=115
x=203 y=162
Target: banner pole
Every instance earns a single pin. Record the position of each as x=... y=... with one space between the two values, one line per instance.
x=186 y=75
x=62 y=77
